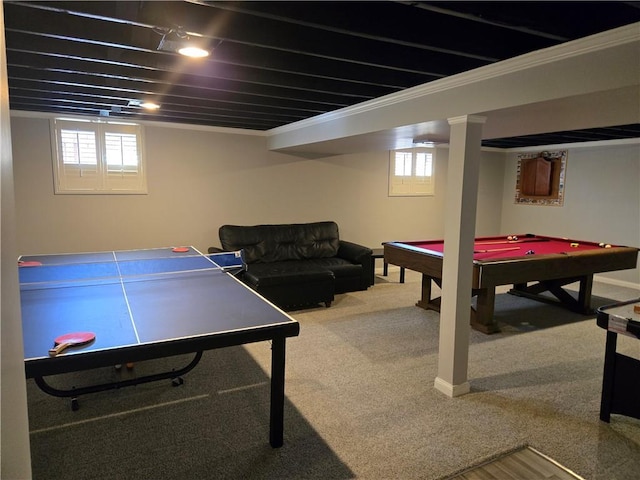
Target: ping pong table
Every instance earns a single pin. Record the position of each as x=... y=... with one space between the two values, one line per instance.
x=143 y=305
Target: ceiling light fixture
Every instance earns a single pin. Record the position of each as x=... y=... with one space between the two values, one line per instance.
x=193 y=52
x=177 y=41
x=424 y=142
x=147 y=105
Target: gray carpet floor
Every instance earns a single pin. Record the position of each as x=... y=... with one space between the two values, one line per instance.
x=360 y=401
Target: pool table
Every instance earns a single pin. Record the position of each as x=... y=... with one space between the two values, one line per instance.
x=551 y=263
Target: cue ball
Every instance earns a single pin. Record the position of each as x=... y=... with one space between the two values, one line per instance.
x=601 y=244
x=607 y=246
x=510 y=237
x=530 y=252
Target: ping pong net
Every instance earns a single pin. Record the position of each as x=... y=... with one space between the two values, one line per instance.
x=86 y=269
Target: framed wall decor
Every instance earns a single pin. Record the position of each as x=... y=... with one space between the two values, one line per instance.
x=540 y=178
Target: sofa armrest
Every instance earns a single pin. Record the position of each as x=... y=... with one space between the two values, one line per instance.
x=354 y=252
x=361 y=255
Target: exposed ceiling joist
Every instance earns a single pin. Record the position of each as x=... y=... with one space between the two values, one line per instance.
x=273 y=63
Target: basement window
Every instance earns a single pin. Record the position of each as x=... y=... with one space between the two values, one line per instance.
x=411 y=172
x=97 y=157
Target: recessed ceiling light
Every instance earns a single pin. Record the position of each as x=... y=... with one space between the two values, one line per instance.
x=193 y=52
x=150 y=106
x=143 y=104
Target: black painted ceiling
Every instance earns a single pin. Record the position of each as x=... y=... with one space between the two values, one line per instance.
x=275 y=63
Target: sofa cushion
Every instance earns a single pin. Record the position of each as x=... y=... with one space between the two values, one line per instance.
x=339 y=266
x=290 y=272
x=276 y=243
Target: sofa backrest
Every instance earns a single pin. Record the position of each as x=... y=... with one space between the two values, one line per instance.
x=274 y=243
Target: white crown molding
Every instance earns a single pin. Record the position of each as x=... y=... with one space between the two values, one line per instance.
x=558 y=146
x=576 y=145
x=150 y=123
x=594 y=43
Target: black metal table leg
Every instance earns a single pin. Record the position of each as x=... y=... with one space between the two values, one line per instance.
x=608 y=376
x=276 y=415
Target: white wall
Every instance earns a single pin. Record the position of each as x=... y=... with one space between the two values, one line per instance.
x=489 y=208
x=201 y=179
x=601 y=204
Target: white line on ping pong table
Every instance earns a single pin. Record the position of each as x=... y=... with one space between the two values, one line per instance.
x=126 y=299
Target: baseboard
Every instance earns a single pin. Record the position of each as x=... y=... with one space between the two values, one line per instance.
x=617 y=283
x=451 y=390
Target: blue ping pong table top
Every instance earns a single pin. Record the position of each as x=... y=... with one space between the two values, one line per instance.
x=137 y=297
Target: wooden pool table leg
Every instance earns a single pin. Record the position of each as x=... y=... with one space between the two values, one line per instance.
x=584 y=294
x=426 y=301
x=482 y=317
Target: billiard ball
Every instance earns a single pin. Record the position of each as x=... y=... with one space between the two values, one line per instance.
x=510 y=237
x=514 y=238
x=607 y=246
x=530 y=252
x=575 y=245
x=601 y=244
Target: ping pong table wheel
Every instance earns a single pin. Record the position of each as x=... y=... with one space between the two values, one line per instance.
x=74 y=404
x=176 y=382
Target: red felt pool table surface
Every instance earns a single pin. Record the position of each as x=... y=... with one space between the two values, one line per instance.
x=550 y=262
x=494 y=248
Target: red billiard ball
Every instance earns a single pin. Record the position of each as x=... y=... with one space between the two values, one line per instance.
x=530 y=252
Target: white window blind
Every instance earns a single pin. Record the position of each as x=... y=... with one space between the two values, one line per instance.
x=122 y=152
x=403 y=164
x=411 y=172
x=78 y=147
x=98 y=157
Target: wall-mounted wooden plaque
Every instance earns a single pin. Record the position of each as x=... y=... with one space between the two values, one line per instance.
x=540 y=178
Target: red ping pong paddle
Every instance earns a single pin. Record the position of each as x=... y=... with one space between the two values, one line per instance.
x=28 y=263
x=180 y=249
x=71 y=340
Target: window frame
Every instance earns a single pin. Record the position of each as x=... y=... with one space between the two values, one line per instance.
x=411 y=185
x=97 y=178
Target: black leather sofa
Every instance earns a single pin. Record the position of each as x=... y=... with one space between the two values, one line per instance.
x=297 y=265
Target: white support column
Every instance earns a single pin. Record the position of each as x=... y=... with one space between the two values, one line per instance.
x=459 y=233
x=15 y=452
